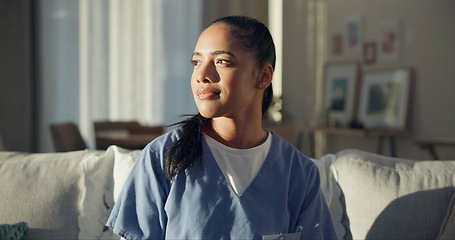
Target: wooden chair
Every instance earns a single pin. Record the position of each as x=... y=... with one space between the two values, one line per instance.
x=100 y=126
x=67 y=137
x=126 y=127
x=140 y=129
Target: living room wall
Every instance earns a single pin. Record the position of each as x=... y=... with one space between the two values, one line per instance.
x=17 y=112
x=307 y=28
x=427 y=46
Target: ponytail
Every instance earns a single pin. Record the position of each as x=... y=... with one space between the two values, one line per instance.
x=188 y=148
x=267 y=98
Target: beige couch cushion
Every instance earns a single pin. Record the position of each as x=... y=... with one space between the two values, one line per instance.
x=41 y=189
x=389 y=198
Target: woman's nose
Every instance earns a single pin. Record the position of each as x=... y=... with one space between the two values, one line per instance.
x=207 y=73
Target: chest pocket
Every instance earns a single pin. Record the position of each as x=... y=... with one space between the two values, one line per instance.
x=288 y=236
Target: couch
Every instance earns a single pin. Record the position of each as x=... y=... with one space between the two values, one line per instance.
x=372 y=196
x=69 y=195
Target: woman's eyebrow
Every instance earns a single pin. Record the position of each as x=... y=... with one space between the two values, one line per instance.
x=218 y=52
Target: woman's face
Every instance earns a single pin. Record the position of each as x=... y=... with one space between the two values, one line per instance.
x=225 y=77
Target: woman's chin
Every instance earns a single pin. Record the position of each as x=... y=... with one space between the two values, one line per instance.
x=207 y=112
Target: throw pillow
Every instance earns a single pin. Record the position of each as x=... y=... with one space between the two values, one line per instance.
x=390 y=198
x=16 y=231
x=123 y=162
x=448 y=227
x=103 y=174
x=95 y=188
x=331 y=191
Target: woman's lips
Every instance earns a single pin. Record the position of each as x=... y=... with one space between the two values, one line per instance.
x=208 y=94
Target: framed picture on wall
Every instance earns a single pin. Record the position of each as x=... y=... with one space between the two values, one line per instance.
x=341 y=80
x=353 y=34
x=389 y=40
x=384 y=98
x=369 y=52
x=337 y=46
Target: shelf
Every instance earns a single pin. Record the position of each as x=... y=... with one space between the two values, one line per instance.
x=431 y=144
x=380 y=133
x=373 y=132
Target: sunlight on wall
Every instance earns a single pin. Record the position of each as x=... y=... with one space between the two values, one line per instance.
x=316 y=42
x=276 y=29
x=275 y=12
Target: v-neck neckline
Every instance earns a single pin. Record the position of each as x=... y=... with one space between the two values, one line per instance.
x=219 y=172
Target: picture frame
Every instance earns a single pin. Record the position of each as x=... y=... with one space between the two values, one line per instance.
x=337 y=41
x=385 y=98
x=341 y=80
x=353 y=35
x=369 y=52
x=389 y=40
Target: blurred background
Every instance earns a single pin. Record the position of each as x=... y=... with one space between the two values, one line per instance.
x=83 y=61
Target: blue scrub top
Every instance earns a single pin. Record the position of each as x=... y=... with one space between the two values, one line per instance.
x=284 y=198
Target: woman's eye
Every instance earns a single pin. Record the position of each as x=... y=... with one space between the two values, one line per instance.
x=222 y=61
x=195 y=62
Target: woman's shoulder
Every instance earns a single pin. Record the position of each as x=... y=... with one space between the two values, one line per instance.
x=286 y=150
x=283 y=145
x=164 y=141
x=167 y=137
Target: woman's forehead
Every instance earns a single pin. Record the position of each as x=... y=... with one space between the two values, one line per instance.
x=217 y=37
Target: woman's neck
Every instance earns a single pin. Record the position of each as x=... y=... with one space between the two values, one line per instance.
x=235 y=133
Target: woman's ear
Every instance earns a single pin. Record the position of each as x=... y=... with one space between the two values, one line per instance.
x=266 y=76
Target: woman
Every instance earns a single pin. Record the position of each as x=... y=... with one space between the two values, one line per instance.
x=220 y=174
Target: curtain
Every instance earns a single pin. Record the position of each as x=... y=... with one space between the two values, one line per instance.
x=115 y=60
x=57 y=66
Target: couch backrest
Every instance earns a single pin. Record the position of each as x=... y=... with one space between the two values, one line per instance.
x=391 y=198
x=41 y=189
